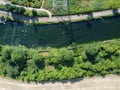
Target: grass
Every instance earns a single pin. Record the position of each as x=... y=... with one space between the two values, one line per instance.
x=74 y=6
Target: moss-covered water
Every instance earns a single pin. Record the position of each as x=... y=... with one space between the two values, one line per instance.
x=56 y=35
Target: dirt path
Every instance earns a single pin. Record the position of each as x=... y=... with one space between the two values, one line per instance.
x=97 y=83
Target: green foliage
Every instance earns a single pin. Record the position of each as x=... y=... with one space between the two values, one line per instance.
x=39 y=60
x=42 y=14
x=66 y=57
x=11 y=71
x=34 y=12
x=19 y=57
x=21 y=10
x=97 y=5
x=6 y=54
x=98 y=58
x=9 y=7
x=33 y=3
x=74 y=6
x=15 y=9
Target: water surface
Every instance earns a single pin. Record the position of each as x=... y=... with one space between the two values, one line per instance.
x=57 y=35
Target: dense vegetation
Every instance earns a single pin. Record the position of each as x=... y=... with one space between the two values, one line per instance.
x=74 y=6
x=98 y=58
x=32 y=3
x=23 y=11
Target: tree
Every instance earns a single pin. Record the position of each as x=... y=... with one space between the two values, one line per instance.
x=39 y=60
x=9 y=7
x=6 y=54
x=21 y=10
x=66 y=57
x=11 y=71
x=34 y=12
x=19 y=57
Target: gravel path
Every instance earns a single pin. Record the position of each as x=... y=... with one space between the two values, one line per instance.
x=97 y=83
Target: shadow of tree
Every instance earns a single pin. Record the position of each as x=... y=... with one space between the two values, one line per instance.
x=115 y=11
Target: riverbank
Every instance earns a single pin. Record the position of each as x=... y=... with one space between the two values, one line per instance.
x=110 y=82
x=57 y=19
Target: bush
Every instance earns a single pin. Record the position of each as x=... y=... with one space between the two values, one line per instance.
x=19 y=57
x=74 y=6
x=34 y=12
x=98 y=58
x=6 y=54
x=39 y=60
x=15 y=9
x=9 y=7
x=66 y=57
x=11 y=71
x=42 y=14
x=21 y=10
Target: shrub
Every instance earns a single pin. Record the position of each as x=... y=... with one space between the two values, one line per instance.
x=30 y=65
x=21 y=10
x=11 y=71
x=74 y=6
x=19 y=57
x=34 y=12
x=66 y=57
x=9 y=7
x=42 y=14
x=15 y=9
x=6 y=54
x=39 y=60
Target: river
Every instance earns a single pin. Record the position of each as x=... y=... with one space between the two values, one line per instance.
x=58 y=35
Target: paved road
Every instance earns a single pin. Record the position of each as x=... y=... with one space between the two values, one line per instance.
x=97 y=83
